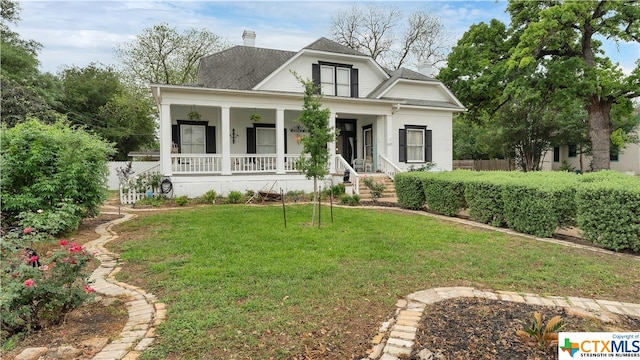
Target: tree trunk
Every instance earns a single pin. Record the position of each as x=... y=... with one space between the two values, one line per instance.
x=599 y=132
x=315 y=199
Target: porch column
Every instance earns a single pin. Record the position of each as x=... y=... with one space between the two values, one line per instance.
x=226 y=142
x=389 y=137
x=332 y=145
x=165 y=140
x=280 y=139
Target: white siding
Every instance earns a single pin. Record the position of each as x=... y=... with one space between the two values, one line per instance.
x=369 y=76
x=439 y=122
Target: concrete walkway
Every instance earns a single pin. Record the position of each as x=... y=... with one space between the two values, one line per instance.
x=145 y=314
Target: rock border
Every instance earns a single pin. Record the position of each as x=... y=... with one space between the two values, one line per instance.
x=396 y=337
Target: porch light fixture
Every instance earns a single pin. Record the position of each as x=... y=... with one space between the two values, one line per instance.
x=233 y=135
x=298 y=138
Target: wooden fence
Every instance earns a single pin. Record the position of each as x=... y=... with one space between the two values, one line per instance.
x=494 y=164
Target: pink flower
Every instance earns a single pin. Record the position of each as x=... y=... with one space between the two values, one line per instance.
x=33 y=259
x=89 y=289
x=27 y=231
x=75 y=248
x=63 y=242
x=29 y=283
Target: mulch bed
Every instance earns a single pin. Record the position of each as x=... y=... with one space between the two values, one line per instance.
x=475 y=328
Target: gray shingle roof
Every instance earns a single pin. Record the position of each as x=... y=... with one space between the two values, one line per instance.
x=240 y=67
x=324 y=44
x=401 y=73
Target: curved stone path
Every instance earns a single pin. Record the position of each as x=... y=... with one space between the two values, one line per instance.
x=396 y=336
x=145 y=313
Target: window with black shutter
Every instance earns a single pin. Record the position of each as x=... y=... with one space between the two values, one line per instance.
x=335 y=79
x=194 y=137
x=261 y=141
x=415 y=144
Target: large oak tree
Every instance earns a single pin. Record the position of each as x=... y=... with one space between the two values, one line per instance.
x=566 y=33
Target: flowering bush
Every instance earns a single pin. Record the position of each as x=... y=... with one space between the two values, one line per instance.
x=56 y=168
x=376 y=188
x=37 y=289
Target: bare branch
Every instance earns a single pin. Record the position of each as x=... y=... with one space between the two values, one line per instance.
x=373 y=30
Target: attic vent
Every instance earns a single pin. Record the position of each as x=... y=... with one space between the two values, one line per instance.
x=249 y=38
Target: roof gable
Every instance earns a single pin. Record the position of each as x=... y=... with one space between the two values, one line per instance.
x=401 y=73
x=326 y=45
x=240 y=67
x=410 y=83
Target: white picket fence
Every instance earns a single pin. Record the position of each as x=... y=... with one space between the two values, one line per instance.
x=131 y=196
x=139 y=167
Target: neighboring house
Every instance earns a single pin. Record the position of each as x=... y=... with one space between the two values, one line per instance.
x=236 y=128
x=626 y=160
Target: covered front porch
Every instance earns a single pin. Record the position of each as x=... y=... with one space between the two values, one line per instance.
x=219 y=136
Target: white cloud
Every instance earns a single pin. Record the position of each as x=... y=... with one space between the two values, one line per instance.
x=81 y=32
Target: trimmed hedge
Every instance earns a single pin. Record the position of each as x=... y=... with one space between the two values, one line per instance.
x=483 y=195
x=608 y=207
x=538 y=208
x=604 y=205
x=410 y=189
x=444 y=192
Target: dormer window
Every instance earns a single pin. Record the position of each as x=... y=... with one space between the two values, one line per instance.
x=336 y=79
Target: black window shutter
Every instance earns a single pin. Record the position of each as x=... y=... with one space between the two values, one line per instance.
x=315 y=75
x=251 y=140
x=354 y=83
x=428 y=148
x=402 y=146
x=211 y=140
x=285 y=140
x=175 y=135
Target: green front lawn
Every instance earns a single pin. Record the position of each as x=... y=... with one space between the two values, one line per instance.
x=238 y=285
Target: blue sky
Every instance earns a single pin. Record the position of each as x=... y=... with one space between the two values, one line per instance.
x=80 y=32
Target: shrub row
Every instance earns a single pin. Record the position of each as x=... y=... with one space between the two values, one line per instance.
x=604 y=205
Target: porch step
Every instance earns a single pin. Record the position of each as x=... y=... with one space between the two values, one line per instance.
x=389 y=193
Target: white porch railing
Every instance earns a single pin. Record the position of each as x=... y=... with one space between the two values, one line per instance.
x=196 y=163
x=251 y=163
x=240 y=163
x=387 y=167
x=354 y=177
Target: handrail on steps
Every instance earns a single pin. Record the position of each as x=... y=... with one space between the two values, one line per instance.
x=341 y=166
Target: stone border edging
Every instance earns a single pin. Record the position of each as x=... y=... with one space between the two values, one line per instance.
x=396 y=337
x=145 y=313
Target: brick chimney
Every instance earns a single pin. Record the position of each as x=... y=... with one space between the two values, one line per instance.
x=249 y=38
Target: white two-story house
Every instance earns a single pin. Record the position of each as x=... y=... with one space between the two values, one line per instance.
x=236 y=128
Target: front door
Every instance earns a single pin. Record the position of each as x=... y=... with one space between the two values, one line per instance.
x=346 y=144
